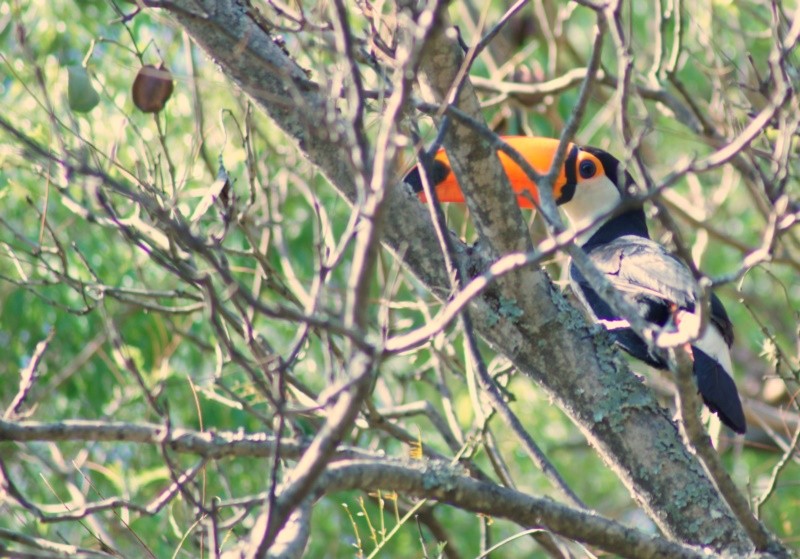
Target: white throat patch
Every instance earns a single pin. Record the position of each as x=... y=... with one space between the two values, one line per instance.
x=593 y=198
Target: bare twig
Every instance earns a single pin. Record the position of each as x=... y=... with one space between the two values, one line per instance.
x=28 y=376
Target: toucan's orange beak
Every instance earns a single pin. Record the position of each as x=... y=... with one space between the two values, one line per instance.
x=539 y=152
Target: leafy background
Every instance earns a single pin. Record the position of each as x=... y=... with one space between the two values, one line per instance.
x=73 y=275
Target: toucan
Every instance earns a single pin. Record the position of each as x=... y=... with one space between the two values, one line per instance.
x=591 y=187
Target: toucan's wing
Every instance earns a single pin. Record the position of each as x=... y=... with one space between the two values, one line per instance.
x=639 y=267
x=643 y=269
x=660 y=285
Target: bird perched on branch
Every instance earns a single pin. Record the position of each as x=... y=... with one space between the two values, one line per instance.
x=590 y=187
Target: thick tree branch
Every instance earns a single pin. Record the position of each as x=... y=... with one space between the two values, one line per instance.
x=438 y=481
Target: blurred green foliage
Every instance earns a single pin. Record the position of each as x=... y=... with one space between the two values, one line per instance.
x=83 y=374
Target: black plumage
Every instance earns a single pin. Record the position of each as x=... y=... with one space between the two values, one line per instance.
x=658 y=285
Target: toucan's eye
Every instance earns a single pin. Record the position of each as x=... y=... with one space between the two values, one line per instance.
x=587 y=169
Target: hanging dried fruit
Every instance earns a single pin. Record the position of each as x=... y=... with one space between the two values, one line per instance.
x=152 y=88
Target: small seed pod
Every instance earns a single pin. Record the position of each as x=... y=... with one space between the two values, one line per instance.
x=152 y=88
x=81 y=94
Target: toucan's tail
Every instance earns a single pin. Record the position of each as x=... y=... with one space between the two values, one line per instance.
x=718 y=390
